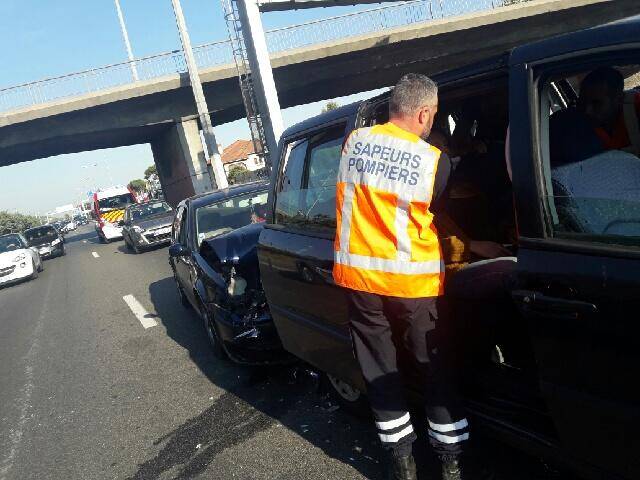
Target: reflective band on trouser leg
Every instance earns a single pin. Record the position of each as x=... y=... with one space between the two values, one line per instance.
x=392 y=431
x=449 y=433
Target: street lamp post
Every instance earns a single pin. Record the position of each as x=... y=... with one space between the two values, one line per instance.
x=125 y=36
x=216 y=172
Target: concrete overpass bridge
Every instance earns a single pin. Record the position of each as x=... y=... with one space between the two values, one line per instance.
x=104 y=107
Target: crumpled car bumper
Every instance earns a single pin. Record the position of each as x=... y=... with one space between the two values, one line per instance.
x=253 y=343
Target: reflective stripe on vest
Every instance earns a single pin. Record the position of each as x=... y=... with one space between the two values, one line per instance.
x=385 y=240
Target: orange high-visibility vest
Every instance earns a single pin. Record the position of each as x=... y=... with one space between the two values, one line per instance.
x=386 y=242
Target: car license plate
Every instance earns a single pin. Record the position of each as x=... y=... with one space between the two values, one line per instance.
x=163 y=231
x=45 y=250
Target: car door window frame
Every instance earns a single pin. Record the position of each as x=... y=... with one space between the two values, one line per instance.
x=308 y=135
x=538 y=74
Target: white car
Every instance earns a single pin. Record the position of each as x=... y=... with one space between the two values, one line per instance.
x=17 y=260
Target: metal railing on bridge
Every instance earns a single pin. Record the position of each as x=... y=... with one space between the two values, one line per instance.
x=219 y=53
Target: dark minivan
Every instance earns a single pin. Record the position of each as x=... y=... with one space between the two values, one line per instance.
x=554 y=364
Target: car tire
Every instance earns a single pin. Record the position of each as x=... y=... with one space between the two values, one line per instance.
x=348 y=397
x=41 y=267
x=212 y=336
x=36 y=272
x=127 y=245
x=136 y=249
x=183 y=298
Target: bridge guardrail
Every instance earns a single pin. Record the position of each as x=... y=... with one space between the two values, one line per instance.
x=219 y=53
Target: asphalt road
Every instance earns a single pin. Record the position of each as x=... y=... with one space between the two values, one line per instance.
x=88 y=393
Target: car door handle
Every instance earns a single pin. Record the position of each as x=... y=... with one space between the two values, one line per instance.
x=554 y=306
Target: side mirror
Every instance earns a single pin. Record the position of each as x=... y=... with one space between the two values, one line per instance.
x=178 y=250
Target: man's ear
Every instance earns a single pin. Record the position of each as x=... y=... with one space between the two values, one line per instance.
x=423 y=115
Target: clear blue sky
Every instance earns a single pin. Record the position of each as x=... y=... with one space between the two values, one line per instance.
x=49 y=38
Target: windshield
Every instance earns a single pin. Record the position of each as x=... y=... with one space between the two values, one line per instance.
x=9 y=243
x=115 y=203
x=225 y=216
x=40 y=232
x=148 y=209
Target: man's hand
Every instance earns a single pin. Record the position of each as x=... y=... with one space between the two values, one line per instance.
x=486 y=249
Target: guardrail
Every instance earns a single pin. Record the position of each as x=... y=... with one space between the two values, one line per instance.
x=219 y=53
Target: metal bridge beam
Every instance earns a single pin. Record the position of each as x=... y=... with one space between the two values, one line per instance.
x=261 y=74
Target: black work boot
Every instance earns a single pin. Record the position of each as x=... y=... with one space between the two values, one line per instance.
x=401 y=467
x=451 y=468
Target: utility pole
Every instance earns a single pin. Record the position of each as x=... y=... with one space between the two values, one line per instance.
x=216 y=171
x=125 y=36
x=262 y=75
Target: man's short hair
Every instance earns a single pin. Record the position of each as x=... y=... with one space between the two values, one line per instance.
x=412 y=91
x=607 y=76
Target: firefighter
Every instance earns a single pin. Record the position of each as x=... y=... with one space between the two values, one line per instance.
x=388 y=257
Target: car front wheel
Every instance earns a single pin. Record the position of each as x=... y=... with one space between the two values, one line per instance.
x=183 y=298
x=35 y=273
x=350 y=398
x=212 y=335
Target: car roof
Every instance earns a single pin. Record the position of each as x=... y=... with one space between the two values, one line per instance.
x=327 y=117
x=148 y=202
x=221 y=194
x=615 y=33
x=38 y=227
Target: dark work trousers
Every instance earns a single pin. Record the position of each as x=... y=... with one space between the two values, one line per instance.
x=380 y=326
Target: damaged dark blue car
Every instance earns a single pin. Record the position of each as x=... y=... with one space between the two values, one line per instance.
x=215 y=266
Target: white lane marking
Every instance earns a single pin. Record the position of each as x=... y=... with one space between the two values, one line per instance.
x=84 y=241
x=95 y=254
x=145 y=318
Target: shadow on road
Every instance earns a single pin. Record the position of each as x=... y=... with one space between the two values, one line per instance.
x=258 y=398
x=90 y=236
x=123 y=249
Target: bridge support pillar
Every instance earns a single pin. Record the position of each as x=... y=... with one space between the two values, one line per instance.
x=181 y=162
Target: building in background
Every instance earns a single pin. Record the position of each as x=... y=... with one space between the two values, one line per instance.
x=242 y=154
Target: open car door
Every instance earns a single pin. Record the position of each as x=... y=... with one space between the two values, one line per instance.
x=579 y=254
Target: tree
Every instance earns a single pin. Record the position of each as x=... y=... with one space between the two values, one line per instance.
x=330 y=106
x=152 y=170
x=16 y=222
x=138 y=185
x=237 y=174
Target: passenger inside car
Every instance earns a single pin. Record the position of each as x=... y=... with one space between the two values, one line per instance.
x=595 y=169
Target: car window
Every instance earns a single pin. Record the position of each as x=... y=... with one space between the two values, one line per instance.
x=227 y=215
x=148 y=209
x=591 y=154
x=175 y=227
x=9 y=243
x=40 y=232
x=309 y=203
x=183 y=229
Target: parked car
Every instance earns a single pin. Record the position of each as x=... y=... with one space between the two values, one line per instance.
x=552 y=368
x=214 y=263
x=17 y=260
x=147 y=225
x=46 y=239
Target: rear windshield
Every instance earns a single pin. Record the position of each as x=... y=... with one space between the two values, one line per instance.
x=9 y=243
x=115 y=203
x=148 y=210
x=40 y=232
x=227 y=215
